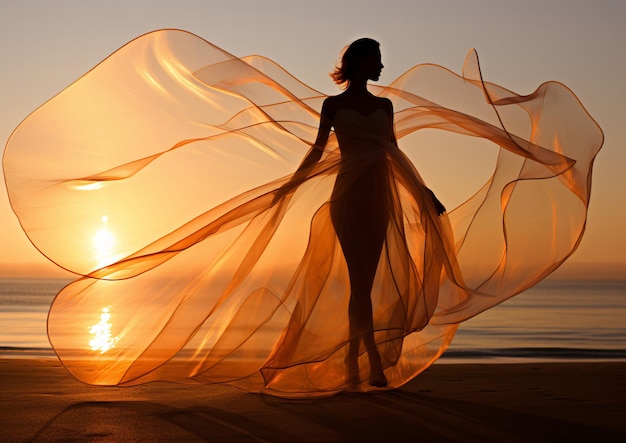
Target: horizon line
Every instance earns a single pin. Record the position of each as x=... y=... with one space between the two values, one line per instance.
x=568 y=271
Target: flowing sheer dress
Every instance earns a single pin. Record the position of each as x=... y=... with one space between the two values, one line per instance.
x=154 y=177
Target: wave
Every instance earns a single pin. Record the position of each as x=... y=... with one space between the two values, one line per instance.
x=27 y=352
x=464 y=355
x=538 y=353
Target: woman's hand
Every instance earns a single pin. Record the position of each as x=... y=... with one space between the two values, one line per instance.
x=438 y=205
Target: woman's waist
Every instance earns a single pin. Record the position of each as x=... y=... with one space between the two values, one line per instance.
x=372 y=175
x=363 y=148
x=364 y=166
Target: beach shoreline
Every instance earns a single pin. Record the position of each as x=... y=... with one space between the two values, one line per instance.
x=572 y=401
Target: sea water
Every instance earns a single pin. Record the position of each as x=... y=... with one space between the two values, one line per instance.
x=557 y=319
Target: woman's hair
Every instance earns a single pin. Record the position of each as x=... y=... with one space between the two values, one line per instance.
x=352 y=55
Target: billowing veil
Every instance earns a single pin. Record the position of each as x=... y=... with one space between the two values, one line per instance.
x=154 y=177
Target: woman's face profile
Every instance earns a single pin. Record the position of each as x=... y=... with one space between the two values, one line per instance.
x=372 y=65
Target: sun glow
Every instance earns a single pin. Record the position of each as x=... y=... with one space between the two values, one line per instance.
x=103 y=242
x=102 y=340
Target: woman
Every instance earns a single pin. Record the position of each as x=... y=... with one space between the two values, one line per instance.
x=359 y=205
x=199 y=265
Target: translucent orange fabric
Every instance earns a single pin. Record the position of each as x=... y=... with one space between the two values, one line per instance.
x=155 y=177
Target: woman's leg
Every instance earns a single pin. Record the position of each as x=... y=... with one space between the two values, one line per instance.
x=362 y=269
x=361 y=225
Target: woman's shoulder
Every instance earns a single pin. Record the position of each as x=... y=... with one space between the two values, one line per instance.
x=330 y=106
x=334 y=102
x=386 y=104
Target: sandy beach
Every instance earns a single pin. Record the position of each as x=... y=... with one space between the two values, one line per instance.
x=40 y=401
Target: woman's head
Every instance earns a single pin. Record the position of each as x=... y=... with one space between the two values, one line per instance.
x=360 y=58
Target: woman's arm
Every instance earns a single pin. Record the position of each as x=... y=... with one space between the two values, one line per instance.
x=322 y=137
x=389 y=111
x=314 y=154
x=441 y=209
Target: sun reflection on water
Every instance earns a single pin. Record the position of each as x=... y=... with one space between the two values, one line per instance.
x=102 y=340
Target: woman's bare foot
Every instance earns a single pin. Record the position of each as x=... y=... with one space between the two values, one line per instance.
x=377 y=376
x=378 y=380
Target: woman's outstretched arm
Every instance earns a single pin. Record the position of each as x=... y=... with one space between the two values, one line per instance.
x=314 y=154
x=322 y=137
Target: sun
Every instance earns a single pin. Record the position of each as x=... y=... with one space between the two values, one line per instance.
x=103 y=243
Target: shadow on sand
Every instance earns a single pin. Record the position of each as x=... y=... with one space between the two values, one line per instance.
x=392 y=416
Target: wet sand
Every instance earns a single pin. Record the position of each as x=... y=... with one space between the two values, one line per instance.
x=40 y=401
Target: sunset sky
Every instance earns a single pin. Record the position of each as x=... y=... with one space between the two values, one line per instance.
x=45 y=46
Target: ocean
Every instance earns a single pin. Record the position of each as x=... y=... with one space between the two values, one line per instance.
x=555 y=320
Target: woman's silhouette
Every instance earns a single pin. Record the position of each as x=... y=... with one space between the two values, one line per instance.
x=359 y=205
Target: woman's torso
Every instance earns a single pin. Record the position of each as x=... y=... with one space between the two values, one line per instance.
x=362 y=133
x=362 y=180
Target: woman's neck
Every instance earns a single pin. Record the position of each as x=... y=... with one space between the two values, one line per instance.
x=357 y=86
